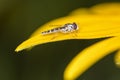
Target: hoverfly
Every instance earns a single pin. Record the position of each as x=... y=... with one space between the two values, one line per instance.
x=67 y=28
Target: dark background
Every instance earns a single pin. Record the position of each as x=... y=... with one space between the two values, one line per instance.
x=19 y=18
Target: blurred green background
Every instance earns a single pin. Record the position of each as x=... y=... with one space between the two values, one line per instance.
x=19 y=18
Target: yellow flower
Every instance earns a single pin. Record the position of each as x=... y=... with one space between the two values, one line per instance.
x=97 y=22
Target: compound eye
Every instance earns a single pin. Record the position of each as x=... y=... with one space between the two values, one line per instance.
x=75 y=26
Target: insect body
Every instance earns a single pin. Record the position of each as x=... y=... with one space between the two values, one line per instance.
x=67 y=28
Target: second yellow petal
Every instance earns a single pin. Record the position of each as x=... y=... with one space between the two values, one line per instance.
x=89 y=56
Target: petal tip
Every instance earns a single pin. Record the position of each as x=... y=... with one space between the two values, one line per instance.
x=17 y=50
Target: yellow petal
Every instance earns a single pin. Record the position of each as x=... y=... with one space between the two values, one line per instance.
x=101 y=9
x=117 y=59
x=89 y=56
x=81 y=11
x=92 y=26
x=107 y=9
